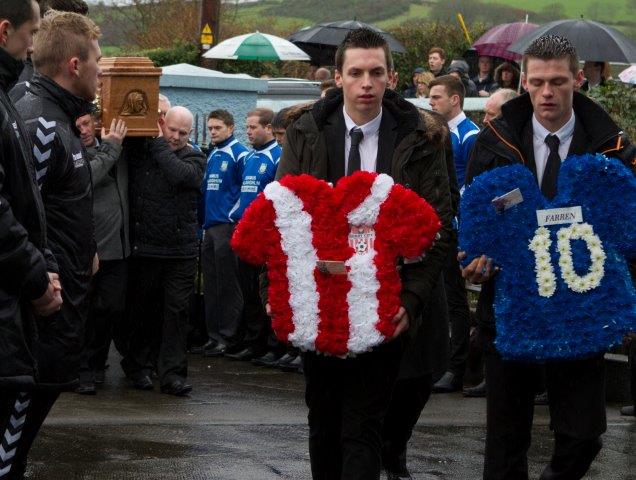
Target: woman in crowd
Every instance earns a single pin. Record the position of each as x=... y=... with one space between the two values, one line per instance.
x=506 y=76
x=422 y=81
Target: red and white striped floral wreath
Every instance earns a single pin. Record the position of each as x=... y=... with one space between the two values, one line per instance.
x=362 y=226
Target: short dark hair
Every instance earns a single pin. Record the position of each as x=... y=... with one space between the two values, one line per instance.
x=75 y=6
x=452 y=85
x=265 y=115
x=16 y=11
x=439 y=51
x=281 y=119
x=363 y=38
x=549 y=47
x=223 y=115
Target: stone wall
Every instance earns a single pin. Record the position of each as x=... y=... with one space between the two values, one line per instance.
x=201 y=102
x=202 y=90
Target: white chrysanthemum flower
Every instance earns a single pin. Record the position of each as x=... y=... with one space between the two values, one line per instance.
x=596 y=271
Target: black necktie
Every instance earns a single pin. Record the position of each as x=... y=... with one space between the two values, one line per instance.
x=353 y=165
x=551 y=172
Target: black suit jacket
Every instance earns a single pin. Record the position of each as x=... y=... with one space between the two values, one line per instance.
x=335 y=129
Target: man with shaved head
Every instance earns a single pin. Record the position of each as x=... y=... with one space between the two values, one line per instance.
x=166 y=175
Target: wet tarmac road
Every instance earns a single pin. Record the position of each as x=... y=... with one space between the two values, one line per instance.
x=249 y=423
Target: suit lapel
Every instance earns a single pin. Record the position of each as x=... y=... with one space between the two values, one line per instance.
x=386 y=142
x=527 y=146
x=580 y=142
x=334 y=131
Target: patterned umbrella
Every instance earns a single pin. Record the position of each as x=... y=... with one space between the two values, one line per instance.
x=256 y=46
x=495 y=42
x=628 y=75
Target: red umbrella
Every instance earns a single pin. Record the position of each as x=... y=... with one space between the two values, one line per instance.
x=495 y=42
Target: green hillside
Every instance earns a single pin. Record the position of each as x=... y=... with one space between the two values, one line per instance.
x=618 y=13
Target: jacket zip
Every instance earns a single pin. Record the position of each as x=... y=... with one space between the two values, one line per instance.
x=509 y=145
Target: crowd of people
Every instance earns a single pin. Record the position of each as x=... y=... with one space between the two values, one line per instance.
x=492 y=74
x=104 y=238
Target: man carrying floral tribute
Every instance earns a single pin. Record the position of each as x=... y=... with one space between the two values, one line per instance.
x=362 y=125
x=540 y=129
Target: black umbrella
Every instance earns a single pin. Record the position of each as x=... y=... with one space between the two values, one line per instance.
x=321 y=40
x=593 y=41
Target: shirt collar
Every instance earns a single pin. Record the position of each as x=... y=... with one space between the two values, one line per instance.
x=225 y=142
x=368 y=129
x=268 y=146
x=564 y=133
x=454 y=122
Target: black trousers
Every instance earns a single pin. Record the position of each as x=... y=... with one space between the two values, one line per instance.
x=347 y=400
x=458 y=314
x=255 y=322
x=21 y=416
x=105 y=322
x=632 y=366
x=160 y=338
x=409 y=398
x=221 y=286
x=576 y=393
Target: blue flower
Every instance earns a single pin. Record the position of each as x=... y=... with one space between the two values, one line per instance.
x=594 y=302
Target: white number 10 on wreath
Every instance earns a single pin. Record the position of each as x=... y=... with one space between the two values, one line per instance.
x=546 y=278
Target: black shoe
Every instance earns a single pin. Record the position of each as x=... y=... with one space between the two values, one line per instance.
x=86 y=388
x=100 y=376
x=296 y=365
x=178 y=388
x=270 y=359
x=628 y=411
x=200 y=349
x=142 y=382
x=244 y=355
x=215 y=351
x=285 y=359
x=477 y=391
x=448 y=383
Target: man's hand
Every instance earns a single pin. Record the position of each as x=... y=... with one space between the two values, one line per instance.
x=483 y=93
x=51 y=301
x=95 y=266
x=268 y=309
x=401 y=321
x=117 y=132
x=54 y=278
x=480 y=270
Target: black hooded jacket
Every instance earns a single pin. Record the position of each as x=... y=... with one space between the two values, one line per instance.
x=508 y=140
x=63 y=174
x=62 y=171
x=23 y=258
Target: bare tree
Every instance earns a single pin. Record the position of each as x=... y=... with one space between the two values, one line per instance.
x=158 y=23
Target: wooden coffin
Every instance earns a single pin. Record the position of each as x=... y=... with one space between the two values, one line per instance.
x=130 y=91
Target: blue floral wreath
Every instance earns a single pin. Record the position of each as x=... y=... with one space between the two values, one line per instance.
x=564 y=291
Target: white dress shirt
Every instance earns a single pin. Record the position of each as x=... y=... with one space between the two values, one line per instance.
x=368 y=146
x=541 y=149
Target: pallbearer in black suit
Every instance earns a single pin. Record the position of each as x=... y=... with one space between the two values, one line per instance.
x=363 y=126
x=540 y=129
